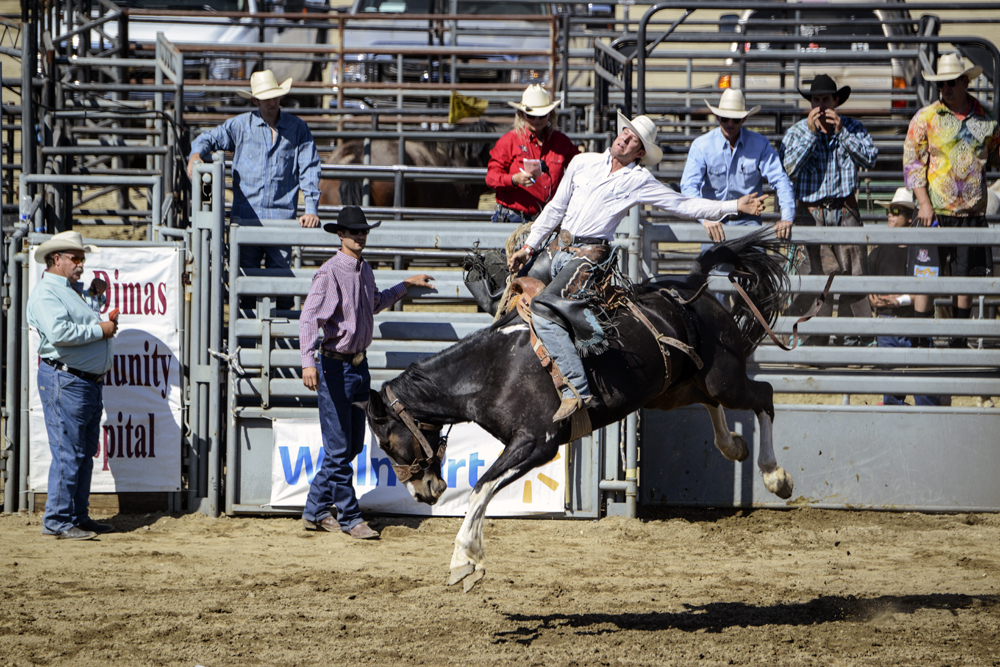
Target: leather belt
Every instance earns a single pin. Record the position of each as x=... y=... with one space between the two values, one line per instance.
x=833 y=203
x=352 y=359
x=567 y=239
x=524 y=215
x=97 y=378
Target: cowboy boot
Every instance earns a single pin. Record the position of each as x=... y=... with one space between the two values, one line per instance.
x=566 y=408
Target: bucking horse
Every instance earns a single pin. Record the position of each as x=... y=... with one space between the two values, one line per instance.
x=492 y=377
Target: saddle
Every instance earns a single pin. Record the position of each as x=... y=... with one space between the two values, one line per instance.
x=526 y=289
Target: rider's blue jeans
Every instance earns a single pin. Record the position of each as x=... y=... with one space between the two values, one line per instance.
x=343 y=426
x=559 y=343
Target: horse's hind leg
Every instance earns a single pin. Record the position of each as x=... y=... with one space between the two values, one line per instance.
x=732 y=445
x=776 y=479
x=759 y=397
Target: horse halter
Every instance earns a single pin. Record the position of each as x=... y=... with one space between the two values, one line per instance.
x=420 y=463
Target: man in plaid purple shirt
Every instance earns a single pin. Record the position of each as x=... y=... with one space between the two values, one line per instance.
x=342 y=301
x=821 y=154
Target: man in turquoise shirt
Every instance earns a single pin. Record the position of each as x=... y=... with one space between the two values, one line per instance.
x=731 y=161
x=74 y=354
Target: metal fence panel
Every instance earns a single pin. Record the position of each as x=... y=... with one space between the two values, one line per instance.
x=839 y=457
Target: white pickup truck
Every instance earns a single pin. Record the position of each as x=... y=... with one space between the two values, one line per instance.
x=498 y=36
x=224 y=30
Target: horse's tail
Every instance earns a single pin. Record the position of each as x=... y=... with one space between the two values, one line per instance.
x=761 y=255
x=351 y=193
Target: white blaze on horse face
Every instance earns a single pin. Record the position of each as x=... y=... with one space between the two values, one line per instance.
x=513 y=328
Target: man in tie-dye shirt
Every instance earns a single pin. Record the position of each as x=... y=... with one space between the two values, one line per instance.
x=945 y=155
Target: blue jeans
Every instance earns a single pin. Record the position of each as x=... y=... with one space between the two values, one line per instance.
x=559 y=344
x=73 y=408
x=275 y=256
x=343 y=427
x=904 y=341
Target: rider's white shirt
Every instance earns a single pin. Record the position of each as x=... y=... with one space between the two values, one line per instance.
x=591 y=201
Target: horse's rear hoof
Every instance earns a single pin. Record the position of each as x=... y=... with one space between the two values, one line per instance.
x=740 y=445
x=459 y=573
x=473 y=579
x=779 y=482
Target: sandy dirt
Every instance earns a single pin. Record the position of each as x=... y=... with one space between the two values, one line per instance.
x=802 y=587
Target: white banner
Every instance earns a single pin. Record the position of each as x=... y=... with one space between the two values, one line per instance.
x=297 y=455
x=140 y=448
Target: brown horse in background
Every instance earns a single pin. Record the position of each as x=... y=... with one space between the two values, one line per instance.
x=422 y=194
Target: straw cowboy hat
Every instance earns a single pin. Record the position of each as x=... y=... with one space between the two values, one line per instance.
x=60 y=242
x=733 y=105
x=535 y=101
x=350 y=218
x=645 y=129
x=264 y=86
x=824 y=85
x=951 y=66
x=903 y=197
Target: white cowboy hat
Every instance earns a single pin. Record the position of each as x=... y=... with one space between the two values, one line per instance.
x=645 y=129
x=733 y=105
x=264 y=86
x=62 y=241
x=903 y=197
x=951 y=66
x=535 y=101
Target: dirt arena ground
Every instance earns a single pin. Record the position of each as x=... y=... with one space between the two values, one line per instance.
x=802 y=587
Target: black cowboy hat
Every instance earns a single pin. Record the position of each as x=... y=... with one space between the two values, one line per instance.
x=350 y=218
x=824 y=85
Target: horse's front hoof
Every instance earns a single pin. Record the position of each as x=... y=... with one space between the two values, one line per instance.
x=779 y=483
x=460 y=573
x=473 y=579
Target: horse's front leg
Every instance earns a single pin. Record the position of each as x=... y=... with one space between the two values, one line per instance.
x=732 y=445
x=468 y=558
x=776 y=479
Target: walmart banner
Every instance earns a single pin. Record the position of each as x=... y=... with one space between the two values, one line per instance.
x=298 y=450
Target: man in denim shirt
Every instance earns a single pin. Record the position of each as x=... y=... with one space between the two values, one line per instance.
x=730 y=162
x=274 y=156
x=74 y=354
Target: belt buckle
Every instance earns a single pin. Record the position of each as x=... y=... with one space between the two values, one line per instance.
x=357 y=359
x=565 y=238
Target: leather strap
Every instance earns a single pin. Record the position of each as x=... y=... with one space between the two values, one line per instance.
x=411 y=424
x=639 y=315
x=538 y=347
x=733 y=275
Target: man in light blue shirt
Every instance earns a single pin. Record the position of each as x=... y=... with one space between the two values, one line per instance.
x=730 y=162
x=274 y=157
x=74 y=354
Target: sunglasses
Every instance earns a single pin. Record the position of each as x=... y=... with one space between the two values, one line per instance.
x=358 y=232
x=731 y=121
x=898 y=210
x=73 y=258
x=951 y=84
